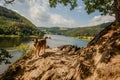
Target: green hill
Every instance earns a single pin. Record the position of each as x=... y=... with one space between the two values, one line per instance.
x=11 y=23
x=85 y=31
x=75 y=32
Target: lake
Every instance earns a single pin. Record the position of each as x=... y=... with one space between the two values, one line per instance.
x=59 y=40
x=55 y=41
x=8 y=42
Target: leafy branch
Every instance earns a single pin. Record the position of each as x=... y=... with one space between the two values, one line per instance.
x=4 y=56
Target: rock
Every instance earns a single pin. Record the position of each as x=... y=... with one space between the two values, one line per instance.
x=70 y=49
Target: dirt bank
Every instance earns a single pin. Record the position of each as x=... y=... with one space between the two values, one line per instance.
x=99 y=60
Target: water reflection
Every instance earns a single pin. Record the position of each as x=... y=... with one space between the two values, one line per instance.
x=6 y=42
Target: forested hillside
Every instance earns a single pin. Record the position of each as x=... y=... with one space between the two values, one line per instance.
x=75 y=32
x=86 y=31
x=12 y=23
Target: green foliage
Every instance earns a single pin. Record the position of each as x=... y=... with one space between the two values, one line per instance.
x=72 y=3
x=12 y=23
x=4 y=56
x=80 y=32
x=23 y=47
x=103 y=6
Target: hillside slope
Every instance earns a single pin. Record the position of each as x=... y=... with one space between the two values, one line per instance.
x=75 y=32
x=13 y=23
x=99 y=60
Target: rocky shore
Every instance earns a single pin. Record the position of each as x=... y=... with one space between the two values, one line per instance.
x=99 y=60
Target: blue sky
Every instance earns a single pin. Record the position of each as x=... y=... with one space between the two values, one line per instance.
x=40 y=14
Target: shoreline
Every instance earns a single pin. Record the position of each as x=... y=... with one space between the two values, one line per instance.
x=18 y=36
x=87 y=38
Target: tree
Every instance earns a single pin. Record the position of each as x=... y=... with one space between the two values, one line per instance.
x=4 y=56
x=9 y=1
x=103 y=6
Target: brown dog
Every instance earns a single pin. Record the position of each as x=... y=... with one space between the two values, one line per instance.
x=40 y=46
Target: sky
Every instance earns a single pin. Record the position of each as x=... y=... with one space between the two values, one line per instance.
x=40 y=14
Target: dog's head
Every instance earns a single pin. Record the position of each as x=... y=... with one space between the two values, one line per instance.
x=35 y=40
x=47 y=37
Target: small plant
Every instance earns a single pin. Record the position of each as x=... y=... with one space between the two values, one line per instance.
x=23 y=48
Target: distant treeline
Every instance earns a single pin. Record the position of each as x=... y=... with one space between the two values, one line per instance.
x=75 y=32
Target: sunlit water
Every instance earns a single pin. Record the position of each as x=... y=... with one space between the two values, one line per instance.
x=59 y=40
x=55 y=41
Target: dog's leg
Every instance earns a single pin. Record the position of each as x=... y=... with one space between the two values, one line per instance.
x=39 y=52
x=44 y=46
x=44 y=49
x=36 y=53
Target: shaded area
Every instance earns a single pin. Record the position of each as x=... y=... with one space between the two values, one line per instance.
x=6 y=42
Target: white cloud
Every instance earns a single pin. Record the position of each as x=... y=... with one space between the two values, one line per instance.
x=41 y=16
x=61 y=21
x=100 y=19
x=2 y=3
x=38 y=12
x=79 y=9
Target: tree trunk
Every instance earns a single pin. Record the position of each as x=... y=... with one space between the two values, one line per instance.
x=117 y=11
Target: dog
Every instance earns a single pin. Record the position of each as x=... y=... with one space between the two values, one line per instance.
x=40 y=46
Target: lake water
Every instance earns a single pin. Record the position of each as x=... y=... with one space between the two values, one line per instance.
x=9 y=43
x=59 y=40
x=55 y=41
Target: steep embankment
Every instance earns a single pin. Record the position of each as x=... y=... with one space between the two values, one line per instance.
x=12 y=23
x=99 y=60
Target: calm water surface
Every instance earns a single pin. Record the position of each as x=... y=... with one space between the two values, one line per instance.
x=55 y=41
x=59 y=40
x=7 y=42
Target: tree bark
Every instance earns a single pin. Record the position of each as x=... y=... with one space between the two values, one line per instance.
x=117 y=11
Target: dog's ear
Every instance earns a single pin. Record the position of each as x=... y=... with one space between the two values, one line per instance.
x=35 y=40
x=47 y=37
x=32 y=39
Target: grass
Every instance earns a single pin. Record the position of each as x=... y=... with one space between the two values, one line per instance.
x=88 y=38
x=23 y=48
x=3 y=35
x=11 y=51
